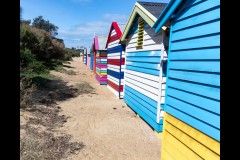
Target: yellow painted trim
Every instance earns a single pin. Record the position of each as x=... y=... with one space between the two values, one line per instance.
x=147 y=16
x=175 y=153
x=185 y=139
x=197 y=135
x=163 y=135
x=165 y=155
x=169 y=140
x=153 y=18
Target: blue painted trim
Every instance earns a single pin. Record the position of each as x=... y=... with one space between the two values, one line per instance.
x=206 y=41
x=147 y=99
x=201 y=126
x=145 y=107
x=115 y=49
x=196 y=112
x=153 y=53
x=197 y=100
x=196 y=88
x=194 y=76
x=115 y=74
x=189 y=10
x=143 y=70
x=196 y=54
x=145 y=59
x=166 y=13
x=143 y=65
x=206 y=66
x=157 y=127
x=196 y=31
x=168 y=68
x=198 y=20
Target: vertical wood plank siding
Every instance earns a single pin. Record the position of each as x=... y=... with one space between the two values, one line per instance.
x=116 y=64
x=192 y=108
x=142 y=75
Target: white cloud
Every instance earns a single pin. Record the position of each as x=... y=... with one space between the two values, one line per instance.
x=82 y=34
x=115 y=17
x=87 y=29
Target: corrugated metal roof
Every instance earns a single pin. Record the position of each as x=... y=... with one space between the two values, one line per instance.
x=102 y=40
x=153 y=7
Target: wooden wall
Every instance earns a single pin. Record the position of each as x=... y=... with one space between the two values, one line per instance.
x=115 y=65
x=192 y=127
x=142 y=84
x=101 y=67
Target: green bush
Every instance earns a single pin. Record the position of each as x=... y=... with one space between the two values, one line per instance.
x=39 y=51
x=30 y=64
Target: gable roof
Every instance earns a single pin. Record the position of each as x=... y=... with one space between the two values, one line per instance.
x=154 y=8
x=166 y=14
x=118 y=28
x=100 y=42
x=149 y=11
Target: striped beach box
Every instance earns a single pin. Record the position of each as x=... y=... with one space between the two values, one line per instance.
x=115 y=60
x=145 y=64
x=101 y=59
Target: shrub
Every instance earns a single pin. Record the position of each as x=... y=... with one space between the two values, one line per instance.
x=29 y=63
x=26 y=90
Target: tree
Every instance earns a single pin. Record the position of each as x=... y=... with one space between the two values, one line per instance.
x=26 y=21
x=40 y=23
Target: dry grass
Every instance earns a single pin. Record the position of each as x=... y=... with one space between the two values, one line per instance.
x=42 y=139
x=26 y=91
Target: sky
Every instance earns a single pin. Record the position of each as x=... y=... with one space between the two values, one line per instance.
x=79 y=20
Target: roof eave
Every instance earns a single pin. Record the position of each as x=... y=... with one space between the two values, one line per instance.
x=146 y=15
x=166 y=14
x=117 y=29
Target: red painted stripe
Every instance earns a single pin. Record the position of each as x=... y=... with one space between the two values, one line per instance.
x=114 y=86
x=116 y=61
x=117 y=29
x=113 y=38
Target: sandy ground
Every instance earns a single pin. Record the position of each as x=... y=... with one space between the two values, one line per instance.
x=108 y=128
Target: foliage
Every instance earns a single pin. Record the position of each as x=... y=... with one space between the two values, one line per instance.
x=28 y=63
x=40 y=23
x=26 y=21
x=40 y=43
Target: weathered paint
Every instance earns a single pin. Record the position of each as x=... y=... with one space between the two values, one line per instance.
x=144 y=76
x=115 y=60
x=192 y=107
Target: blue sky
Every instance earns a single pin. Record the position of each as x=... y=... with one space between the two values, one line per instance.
x=78 y=20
